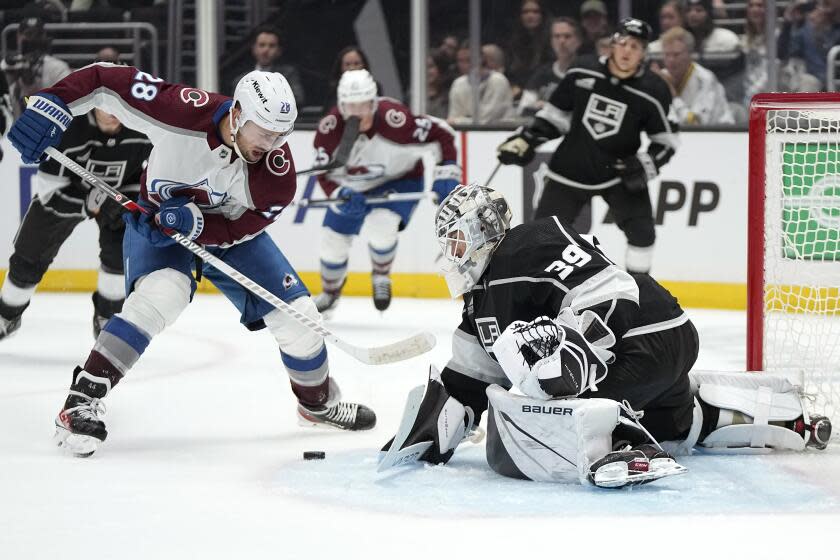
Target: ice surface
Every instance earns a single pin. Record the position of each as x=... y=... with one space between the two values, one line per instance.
x=204 y=459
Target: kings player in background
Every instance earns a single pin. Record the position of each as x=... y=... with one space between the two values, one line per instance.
x=220 y=173
x=386 y=158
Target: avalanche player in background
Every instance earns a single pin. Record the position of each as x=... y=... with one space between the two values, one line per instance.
x=547 y=312
x=100 y=143
x=601 y=107
x=220 y=173
x=386 y=158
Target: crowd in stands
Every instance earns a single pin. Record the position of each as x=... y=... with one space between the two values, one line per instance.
x=712 y=71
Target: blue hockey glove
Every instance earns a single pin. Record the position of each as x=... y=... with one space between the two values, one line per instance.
x=352 y=203
x=40 y=126
x=182 y=215
x=144 y=225
x=447 y=176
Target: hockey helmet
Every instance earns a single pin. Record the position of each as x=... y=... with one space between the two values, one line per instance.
x=267 y=110
x=633 y=27
x=469 y=224
x=355 y=88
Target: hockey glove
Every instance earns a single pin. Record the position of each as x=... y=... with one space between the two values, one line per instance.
x=519 y=148
x=447 y=176
x=144 y=225
x=635 y=171
x=350 y=203
x=182 y=215
x=40 y=126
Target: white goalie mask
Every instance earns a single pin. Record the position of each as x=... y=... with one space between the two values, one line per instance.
x=356 y=94
x=267 y=111
x=469 y=224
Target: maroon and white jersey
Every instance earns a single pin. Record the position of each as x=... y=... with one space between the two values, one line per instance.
x=392 y=149
x=238 y=200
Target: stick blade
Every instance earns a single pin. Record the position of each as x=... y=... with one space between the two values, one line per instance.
x=398 y=351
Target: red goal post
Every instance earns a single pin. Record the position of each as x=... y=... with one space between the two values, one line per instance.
x=793 y=248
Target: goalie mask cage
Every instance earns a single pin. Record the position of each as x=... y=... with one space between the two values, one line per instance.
x=793 y=248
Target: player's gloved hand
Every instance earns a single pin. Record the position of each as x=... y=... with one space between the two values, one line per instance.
x=40 y=126
x=144 y=224
x=518 y=149
x=181 y=214
x=635 y=171
x=351 y=203
x=446 y=178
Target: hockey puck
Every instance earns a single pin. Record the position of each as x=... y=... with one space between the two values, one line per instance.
x=311 y=455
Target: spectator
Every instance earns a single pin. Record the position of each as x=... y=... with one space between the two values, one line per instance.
x=449 y=46
x=814 y=37
x=439 y=80
x=670 y=16
x=699 y=97
x=108 y=54
x=495 y=95
x=791 y=78
x=593 y=19
x=718 y=49
x=566 y=38
x=529 y=45
x=348 y=58
x=32 y=69
x=267 y=51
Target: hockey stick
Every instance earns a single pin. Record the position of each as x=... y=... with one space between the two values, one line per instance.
x=342 y=152
x=492 y=174
x=394 y=352
x=389 y=197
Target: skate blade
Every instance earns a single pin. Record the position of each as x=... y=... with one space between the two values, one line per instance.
x=307 y=423
x=617 y=475
x=76 y=444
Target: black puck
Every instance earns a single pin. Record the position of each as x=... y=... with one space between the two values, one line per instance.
x=310 y=455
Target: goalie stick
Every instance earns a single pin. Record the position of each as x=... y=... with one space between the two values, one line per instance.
x=375 y=199
x=389 y=353
x=342 y=151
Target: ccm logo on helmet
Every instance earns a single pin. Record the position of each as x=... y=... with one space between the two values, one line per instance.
x=534 y=409
x=195 y=97
x=277 y=162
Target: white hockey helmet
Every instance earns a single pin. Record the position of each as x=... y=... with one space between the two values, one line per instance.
x=267 y=110
x=469 y=224
x=355 y=87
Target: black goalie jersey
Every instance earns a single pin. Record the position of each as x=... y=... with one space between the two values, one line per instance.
x=544 y=266
x=602 y=118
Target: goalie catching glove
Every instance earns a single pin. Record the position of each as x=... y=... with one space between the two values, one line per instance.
x=549 y=358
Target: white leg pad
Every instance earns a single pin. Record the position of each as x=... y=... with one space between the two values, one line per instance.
x=382 y=227
x=293 y=338
x=157 y=300
x=335 y=247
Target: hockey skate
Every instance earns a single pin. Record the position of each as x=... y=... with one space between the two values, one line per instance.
x=381 y=291
x=10 y=318
x=103 y=310
x=78 y=427
x=639 y=465
x=817 y=433
x=343 y=415
x=326 y=302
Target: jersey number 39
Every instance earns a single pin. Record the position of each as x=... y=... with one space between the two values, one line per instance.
x=572 y=256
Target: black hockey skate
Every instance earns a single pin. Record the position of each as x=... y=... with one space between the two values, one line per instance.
x=817 y=433
x=78 y=427
x=326 y=301
x=640 y=465
x=10 y=318
x=381 y=291
x=103 y=310
x=344 y=416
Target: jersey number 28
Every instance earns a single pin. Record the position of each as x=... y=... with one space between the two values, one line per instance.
x=141 y=89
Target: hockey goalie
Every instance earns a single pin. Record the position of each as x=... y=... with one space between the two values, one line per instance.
x=584 y=369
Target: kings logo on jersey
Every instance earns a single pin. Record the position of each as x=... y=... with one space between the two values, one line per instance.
x=603 y=116
x=201 y=193
x=488 y=332
x=112 y=172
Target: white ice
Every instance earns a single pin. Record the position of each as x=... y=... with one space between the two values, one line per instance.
x=204 y=459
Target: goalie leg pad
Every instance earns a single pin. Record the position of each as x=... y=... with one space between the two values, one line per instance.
x=547 y=440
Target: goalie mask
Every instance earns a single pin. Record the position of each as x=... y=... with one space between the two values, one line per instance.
x=469 y=224
x=356 y=94
x=267 y=111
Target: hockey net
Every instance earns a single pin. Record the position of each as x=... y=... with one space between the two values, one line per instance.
x=793 y=311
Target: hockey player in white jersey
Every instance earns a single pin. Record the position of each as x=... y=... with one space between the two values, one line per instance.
x=600 y=360
x=220 y=173
x=385 y=158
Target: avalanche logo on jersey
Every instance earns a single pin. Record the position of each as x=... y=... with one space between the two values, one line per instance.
x=488 y=332
x=200 y=193
x=603 y=116
x=395 y=118
x=363 y=173
x=277 y=162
